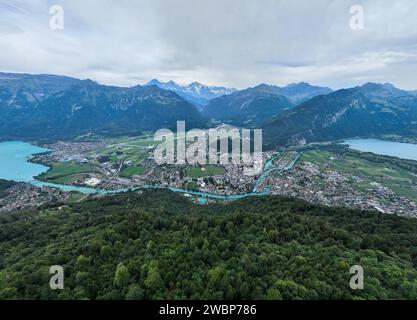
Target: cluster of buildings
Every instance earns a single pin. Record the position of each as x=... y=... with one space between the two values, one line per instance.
x=332 y=188
x=286 y=176
x=25 y=196
x=232 y=181
x=68 y=151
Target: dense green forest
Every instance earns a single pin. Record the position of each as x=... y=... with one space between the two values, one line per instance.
x=158 y=245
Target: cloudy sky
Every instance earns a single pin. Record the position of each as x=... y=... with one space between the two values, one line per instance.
x=237 y=43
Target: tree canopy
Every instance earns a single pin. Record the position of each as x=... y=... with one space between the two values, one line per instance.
x=159 y=245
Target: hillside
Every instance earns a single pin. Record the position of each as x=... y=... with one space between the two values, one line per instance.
x=157 y=245
x=253 y=107
x=4 y=186
x=88 y=107
x=371 y=110
x=23 y=90
x=296 y=92
x=250 y=107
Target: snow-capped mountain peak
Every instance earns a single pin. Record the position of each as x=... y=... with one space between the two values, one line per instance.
x=196 y=93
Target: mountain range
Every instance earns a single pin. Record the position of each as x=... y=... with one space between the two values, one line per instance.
x=196 y=93
x=40 y=107
x=295 y=92
x=25 y=90
x=254 y=106
x=58 y=107
x=249 y=108
x=368 y=110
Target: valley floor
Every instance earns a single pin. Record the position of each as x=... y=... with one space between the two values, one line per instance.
x=326 y=174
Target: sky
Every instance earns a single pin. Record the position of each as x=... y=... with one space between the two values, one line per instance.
x=233 y=43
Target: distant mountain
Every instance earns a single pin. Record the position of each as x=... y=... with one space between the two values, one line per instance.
x=250 y=107
x=26 y=90
x=196 y=93
x=56 y=107
x=369 y=110
x=88 y=107
x=385 y=90
x=296 y=92
x=255 y=106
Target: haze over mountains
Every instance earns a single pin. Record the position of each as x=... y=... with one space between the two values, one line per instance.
x=195 y=92
x=295 y=92
x=57 y=107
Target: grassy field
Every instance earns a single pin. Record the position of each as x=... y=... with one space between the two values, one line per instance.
x=191 y=186
x=60 y=171
x=71 y=179
x=131 y=171
x=142 y=141
x=207 y=171
x=285 y=158
x=75 y=197
x=387 y=174
x=128 y=148
x=132 y=150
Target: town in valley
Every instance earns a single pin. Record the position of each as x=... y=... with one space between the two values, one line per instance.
x=329 y=174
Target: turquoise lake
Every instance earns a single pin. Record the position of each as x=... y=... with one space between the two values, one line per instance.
x=383 y=147
x=14 y=165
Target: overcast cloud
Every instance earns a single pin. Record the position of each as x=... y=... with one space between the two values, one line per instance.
x=237 y=43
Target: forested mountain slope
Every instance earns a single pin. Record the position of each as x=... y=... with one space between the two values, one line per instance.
x=248 y=108
x=159 y=245
x=88 y=107
x=371 y=110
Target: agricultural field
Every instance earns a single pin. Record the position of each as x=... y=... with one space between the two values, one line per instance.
x=103 y=162
x=285 y=158
x=131 y=150
x=206 y=171
x=61 y=172
x=129 y=172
